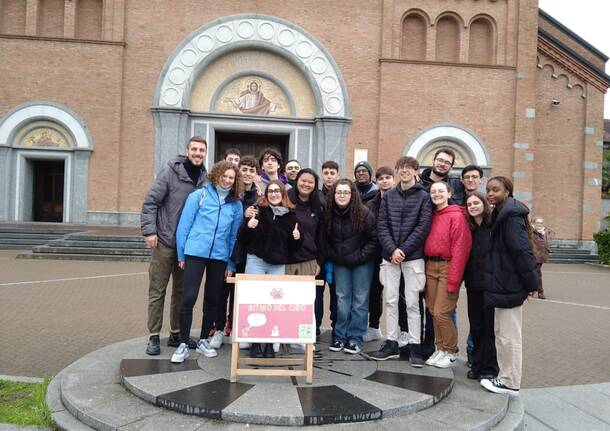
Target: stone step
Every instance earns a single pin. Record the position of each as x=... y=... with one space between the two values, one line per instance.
x=99 y=244
x=35 y=230
x=573 y=260
x=88 y=395
x=24 y=241
x=92 y=251
x=570 y=251
x=71 y=256
x=29 y=235
x=106 y=238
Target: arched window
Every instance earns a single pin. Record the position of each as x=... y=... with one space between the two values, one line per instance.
x=448 y=39
x=481 y=50
x=51 y=18
x=413 y=44
x=12 y=17
x=89 y=19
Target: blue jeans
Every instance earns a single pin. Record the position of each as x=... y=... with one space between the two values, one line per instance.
x=352 y=286
x=256 y=265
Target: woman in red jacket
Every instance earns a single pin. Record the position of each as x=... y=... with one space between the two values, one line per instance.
x=447 y=249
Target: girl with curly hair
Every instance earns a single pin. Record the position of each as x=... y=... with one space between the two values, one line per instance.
x=205 y=238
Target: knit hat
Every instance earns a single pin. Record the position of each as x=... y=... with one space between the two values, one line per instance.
x=366 y=165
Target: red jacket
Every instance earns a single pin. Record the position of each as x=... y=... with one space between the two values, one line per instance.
x=450 y=238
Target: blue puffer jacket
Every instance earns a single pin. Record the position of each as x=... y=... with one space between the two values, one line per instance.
x=209 y=228
x=404 y=221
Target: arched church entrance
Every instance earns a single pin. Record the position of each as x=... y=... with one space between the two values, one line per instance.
x=250 y=82
x=44 y=159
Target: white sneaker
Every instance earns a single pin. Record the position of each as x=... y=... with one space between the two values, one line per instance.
x=403 y=339
x=276 y=347
x=217 y=339
x=446 y=361
x=181 y=353
x=203 y=347
x=372 y=334
x=244 y=346
x=435 y=357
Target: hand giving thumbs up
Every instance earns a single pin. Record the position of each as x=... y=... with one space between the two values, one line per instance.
x=295 y=232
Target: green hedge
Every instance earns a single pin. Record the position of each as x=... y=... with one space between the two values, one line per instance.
x=603 y=245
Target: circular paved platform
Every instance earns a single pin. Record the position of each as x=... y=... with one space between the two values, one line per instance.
x=346 y=388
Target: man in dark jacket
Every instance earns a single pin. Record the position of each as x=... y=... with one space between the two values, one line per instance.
x=159 y=219
x=404 y=220
x=363 y=174
x=441 y=167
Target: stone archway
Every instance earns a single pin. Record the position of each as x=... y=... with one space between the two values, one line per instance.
x=65 y=141
x=325 y=133
x=464 y=141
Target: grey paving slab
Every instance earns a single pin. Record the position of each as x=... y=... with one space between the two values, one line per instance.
x=167 y=420
x=272 y=404
x=556 y=413
x=150 y=386
x=394 y=402
x=533 y=424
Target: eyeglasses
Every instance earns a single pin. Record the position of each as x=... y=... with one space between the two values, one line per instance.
x=274 y=192
x=472 y=177
x=343 y=193
x=443 y=161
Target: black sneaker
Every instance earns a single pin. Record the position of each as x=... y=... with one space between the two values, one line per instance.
x=154 y=345
x=415 y=356
x=352 y=349
x=191 y=344
x=496 y=386
x=174 y=339
x=337 y=346
x=389 y=350
x=472 y=375
x=256 y=351
x=268 y=351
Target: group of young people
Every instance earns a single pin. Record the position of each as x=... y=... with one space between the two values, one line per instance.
x=408 y=237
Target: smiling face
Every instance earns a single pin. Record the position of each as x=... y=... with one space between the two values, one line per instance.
x=472 y=181
x=227 y=179
x=306 y=184
x=442 y=164
x=440 y=195
x=475 y=206
x=406 y=175
x=196 y=152
x=292 y=169
x=362 y=175
x=274 y=194
x=247 y=174
x=343 y=194
x=496 y=192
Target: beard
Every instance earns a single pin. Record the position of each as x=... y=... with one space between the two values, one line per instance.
x=440 y=174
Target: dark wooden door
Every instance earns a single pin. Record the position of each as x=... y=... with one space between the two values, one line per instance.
x=250 y=144
x=48 y=197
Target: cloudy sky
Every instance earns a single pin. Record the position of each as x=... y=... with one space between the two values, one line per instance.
x=587 y=18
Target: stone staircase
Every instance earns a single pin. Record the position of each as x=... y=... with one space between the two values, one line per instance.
x=92 y=246
x=15 y=237
x=571 y=252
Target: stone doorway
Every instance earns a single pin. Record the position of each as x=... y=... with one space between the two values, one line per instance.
x=251 y=143
x=48 y=191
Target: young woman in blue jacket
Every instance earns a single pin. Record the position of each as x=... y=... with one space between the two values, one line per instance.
x=204 y=241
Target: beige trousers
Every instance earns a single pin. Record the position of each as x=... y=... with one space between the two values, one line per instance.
x=508 y=323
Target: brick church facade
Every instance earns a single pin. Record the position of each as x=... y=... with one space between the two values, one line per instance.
x=98 y=94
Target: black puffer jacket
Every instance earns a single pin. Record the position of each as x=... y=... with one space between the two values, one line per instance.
x=458 y=194
x=347 y=247
x=404 y=221
x=311 y=226
x=272 y=239
x=474 y=274
x=511 y=265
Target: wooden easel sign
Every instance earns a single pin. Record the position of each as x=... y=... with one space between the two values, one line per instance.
x=273 y=309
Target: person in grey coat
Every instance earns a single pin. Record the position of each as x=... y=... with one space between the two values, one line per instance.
x=159 y=218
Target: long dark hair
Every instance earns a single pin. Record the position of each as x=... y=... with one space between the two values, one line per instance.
x=355 y=207
x=486 y=210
